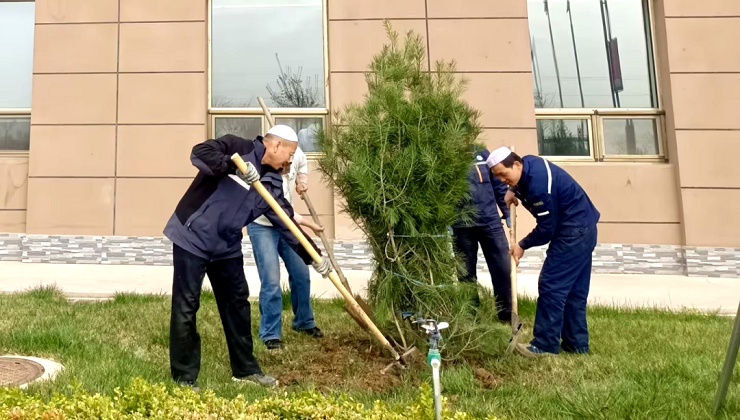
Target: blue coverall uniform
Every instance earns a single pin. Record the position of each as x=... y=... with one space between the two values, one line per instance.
x=487 y=196
x=566 y=219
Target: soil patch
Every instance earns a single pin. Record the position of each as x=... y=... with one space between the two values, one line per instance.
x=335 y=361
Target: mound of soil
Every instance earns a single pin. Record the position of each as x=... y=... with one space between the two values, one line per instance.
x=339 y=361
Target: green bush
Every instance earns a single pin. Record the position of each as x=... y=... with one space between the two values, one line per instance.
x=142 y=400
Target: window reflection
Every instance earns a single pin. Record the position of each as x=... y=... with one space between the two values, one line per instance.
x=15 y=133
x=16 y=53
x=306 y=128
x=557 y=137
x=268 y=48
x=591 y=54
x=630 y=136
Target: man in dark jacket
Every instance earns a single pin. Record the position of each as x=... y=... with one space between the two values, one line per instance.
x=206 y=231
x=566 y=219
x=485 y=229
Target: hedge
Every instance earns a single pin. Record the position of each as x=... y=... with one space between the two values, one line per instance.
x=143 y=400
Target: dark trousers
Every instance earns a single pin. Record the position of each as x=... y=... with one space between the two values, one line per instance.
x=495 y=246
x=563 y=291
x=231 y=290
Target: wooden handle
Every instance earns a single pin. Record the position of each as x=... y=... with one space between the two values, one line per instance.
x=325 y=241
x=514 y=291
x=257 y=185
x=266 y=110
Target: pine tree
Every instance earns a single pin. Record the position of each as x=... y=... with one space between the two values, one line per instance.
x=399 y=160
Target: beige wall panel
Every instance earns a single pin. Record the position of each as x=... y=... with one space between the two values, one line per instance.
x=75 y=48
x=70 y=206
x=711 y=217
x=67 y=11
x=706 y=100
x=352 y=44
x=373 y=9
x=523 y=139
x=489 y=44
x=162 y=10
x=74 y=99
x=158 y=150
x=721 y=170
x=346 y=88
x=143 y=206
x=640 y=233
x=344 y=228
x=321 y=195
x=693 y=45
x=73 y=150
x=13 y=183
x=505 y=99
x=162 y=47
x=701 y=8
x=162 y=98
x=629 y=192
x=12 y=221
x=476 y=8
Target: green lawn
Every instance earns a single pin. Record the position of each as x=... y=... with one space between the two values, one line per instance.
x=645 y=364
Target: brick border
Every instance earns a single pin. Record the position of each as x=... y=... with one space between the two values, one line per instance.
x=141 y=250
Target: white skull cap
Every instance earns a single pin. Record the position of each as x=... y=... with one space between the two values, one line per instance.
x=284 y=132
x=497 y=156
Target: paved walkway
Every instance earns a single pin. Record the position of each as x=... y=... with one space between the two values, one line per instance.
x=100 y=281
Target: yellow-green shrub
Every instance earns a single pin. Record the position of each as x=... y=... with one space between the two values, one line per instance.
x=142 y=400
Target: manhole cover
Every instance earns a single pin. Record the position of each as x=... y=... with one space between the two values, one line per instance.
x=17 y=371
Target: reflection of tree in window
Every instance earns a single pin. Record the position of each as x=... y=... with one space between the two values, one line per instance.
x=292 y=92
x=555 y=138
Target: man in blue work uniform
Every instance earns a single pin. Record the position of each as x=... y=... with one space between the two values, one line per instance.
x=486 y=192
x=206 y=231
x=566 y=219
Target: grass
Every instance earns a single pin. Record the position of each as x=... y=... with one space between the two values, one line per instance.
x=645 y=364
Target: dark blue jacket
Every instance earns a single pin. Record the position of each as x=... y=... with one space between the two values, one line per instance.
x=555 y=199
x=487 y=192
x=209 y=219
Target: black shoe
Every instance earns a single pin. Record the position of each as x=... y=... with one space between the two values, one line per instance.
x=314 y=332
x=274 y=344
x=190 y=384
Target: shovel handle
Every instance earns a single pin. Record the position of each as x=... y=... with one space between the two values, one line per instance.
x=257 y=185
x=266 y=110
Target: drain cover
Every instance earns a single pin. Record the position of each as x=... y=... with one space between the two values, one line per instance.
x=17 y=371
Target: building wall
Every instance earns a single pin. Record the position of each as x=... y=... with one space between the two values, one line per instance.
x=704 y=65
x=119 y=98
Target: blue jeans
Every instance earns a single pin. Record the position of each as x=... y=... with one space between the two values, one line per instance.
x=267 y=245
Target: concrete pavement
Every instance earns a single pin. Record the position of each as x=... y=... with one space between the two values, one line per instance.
x=82 y=281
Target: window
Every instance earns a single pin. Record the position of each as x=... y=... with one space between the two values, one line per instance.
x=273 y=49
x=16 y=73
x=595 y=89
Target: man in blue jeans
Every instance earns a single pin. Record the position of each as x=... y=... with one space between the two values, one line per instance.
x=487 y=196
x=267 y=245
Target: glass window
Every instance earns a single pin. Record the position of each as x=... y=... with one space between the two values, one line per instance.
x=16 y=54
x=631 y=136
x=563 y=137
x=244 y=127
x=268 y=48
x=592 y=54
x=15 y=133
x=306 y=129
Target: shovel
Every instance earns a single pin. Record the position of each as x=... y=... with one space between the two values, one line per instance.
x=516 y=326
x=329 y=249
x=257 y=185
